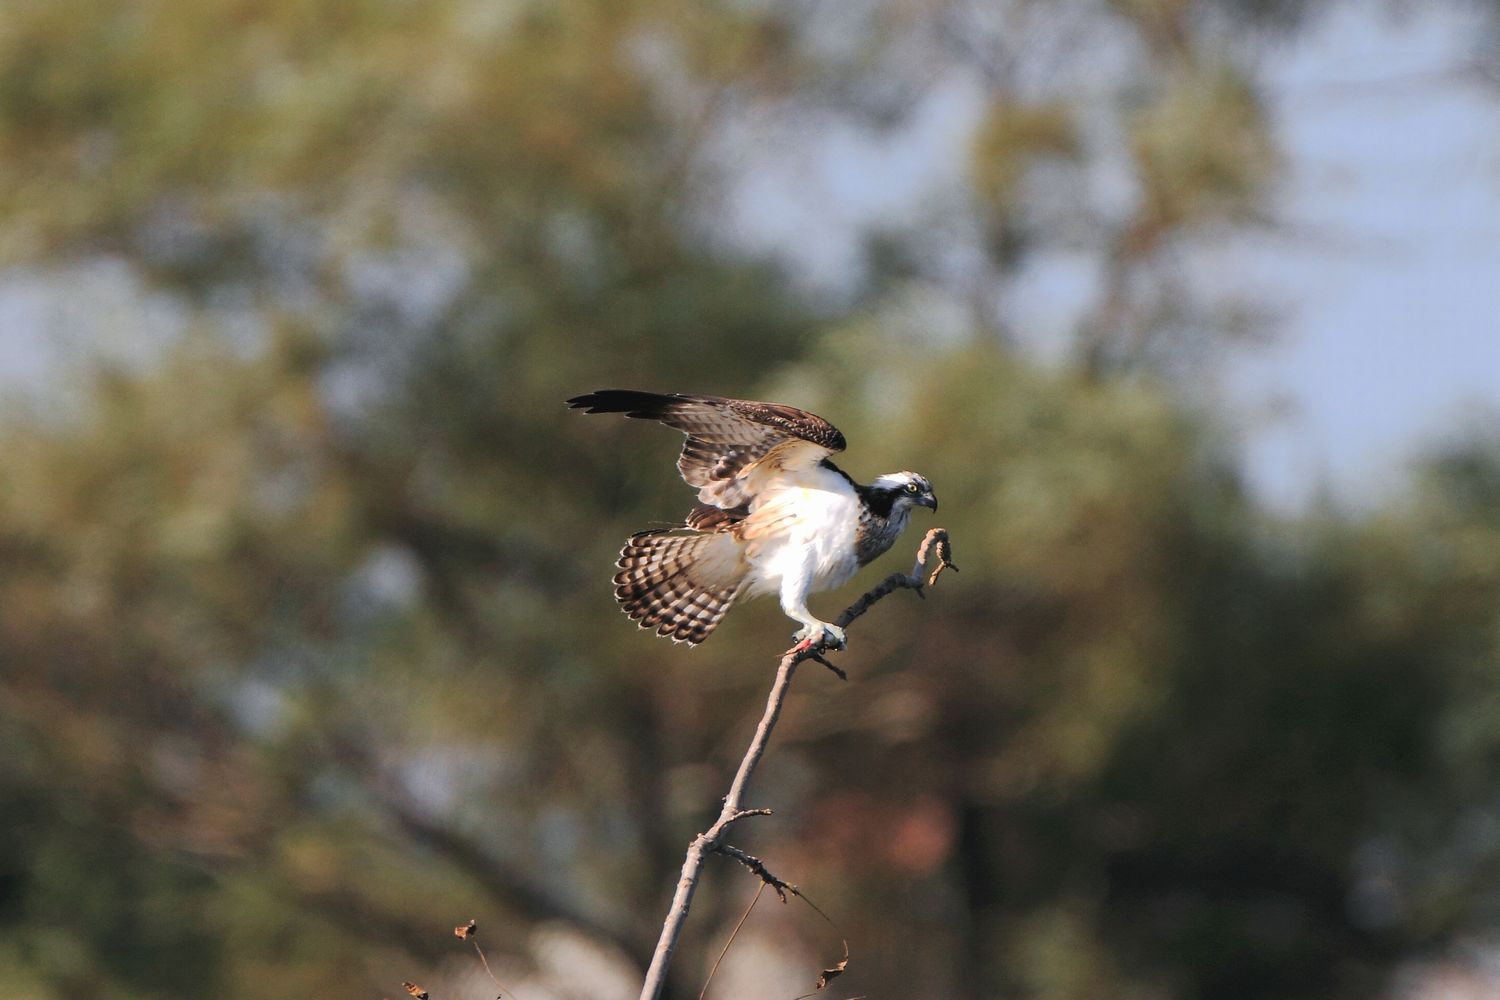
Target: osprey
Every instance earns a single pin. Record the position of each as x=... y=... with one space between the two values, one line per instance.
x=774 y=515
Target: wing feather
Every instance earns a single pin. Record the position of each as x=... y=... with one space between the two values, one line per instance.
x=707 y=517
x=730 y=442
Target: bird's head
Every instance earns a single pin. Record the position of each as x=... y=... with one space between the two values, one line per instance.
x=906 y=490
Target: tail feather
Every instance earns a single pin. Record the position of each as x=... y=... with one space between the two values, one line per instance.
x=680 y=585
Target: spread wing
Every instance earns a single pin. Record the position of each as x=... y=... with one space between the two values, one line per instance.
x=732 y=444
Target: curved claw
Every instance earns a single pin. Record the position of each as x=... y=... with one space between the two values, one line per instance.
x=824 y=634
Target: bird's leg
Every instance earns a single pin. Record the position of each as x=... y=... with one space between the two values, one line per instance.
x=794 y=590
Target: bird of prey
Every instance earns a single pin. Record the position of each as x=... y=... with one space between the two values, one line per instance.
x=774 y=515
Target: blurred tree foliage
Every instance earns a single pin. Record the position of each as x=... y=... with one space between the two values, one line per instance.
x=306 y=647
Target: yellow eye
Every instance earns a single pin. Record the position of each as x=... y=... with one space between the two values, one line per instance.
x=911 y=487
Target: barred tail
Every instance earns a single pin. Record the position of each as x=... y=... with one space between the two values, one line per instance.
x=680 y=585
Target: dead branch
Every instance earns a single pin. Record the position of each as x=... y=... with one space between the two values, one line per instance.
x=757 y=866
x=711 y=840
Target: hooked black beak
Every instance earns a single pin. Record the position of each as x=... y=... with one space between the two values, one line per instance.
x=928 y=499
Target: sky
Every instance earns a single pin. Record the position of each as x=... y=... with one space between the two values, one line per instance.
x=1385 y=266
x=1393 y=265
x=1383 y=270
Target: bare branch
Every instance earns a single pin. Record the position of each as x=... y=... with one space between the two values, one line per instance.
x=935 y=543
x=757 y=866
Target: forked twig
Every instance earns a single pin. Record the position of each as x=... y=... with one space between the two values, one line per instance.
x=711 y=840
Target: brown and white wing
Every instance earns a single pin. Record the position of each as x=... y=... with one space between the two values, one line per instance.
x=732 y=444
x=707 y=517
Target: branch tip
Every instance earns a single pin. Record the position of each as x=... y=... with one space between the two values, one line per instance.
x=739 y=814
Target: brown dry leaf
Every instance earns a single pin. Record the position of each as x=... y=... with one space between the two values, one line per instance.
x=415 y=991
x=466 y=931
x=829 y=975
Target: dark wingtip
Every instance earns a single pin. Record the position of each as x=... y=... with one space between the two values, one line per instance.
x=586 y=400
x=631 y=402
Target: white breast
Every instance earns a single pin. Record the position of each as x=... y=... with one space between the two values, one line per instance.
x=803 y=526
